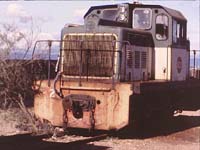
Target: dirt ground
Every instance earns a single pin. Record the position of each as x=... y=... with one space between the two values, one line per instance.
x=181 y=132
x=182 y=140
x=12 y=122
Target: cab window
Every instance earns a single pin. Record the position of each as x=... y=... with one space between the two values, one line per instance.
x=110 y=14
x=142 y=18
x=161 y=27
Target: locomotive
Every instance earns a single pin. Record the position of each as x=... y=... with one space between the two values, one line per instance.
x=127 y=61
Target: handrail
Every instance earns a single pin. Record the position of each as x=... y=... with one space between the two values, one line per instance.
x=59 y=74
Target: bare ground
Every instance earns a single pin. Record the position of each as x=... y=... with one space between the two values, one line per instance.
x=183 y=140
x=181 y=132
x=12 y=121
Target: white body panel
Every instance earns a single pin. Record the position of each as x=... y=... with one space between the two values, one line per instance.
x=171 y=64
x=162 y=63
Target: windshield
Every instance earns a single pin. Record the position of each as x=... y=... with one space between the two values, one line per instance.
x=142 y=18
x=110 y=14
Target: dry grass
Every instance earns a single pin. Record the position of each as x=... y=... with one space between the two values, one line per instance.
x=13 y=121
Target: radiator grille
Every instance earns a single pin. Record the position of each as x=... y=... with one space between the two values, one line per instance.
x=94 y=54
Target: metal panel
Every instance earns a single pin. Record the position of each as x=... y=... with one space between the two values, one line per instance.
x=162 y=63
x=138 y=64
x=179 y=64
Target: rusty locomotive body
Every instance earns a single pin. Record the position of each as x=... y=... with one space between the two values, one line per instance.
x=126 y=61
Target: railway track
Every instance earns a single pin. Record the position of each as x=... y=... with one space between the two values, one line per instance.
x=41 y=142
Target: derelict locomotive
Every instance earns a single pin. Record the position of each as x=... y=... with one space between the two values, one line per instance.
x=127 y=60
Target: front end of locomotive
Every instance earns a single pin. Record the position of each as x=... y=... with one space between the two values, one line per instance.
x=86 y=92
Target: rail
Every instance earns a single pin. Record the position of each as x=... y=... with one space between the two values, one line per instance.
x=95 y=52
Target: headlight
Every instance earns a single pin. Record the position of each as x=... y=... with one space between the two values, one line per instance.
x=122 y=13
x=91 y=22
x=122 y=17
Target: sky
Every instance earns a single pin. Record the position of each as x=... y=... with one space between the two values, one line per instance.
x=51 y=16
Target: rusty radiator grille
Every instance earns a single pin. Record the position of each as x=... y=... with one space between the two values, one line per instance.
x=92 y=55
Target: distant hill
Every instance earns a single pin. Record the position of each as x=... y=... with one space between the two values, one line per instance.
x=55 y=52
x=20 y=54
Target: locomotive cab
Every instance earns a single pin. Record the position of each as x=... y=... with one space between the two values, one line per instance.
x=168 y=30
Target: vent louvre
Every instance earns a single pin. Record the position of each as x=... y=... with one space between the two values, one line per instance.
x=137 y=59
x=144 y=60
x=129 y=56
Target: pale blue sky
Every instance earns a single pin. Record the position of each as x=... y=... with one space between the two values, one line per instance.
x=53 y=15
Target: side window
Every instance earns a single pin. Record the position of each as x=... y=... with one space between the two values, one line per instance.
x=178 y=27
x=162 y=27
x=179 y=32
x=174 y=31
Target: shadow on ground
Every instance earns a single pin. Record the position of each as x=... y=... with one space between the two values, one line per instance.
x=27 y=142
x=153 y=128
x=150 y=128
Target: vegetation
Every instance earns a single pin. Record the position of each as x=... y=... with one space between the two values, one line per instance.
x=16 y=76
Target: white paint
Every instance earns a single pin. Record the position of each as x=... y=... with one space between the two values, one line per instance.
x=166 y=64
x=162 y=63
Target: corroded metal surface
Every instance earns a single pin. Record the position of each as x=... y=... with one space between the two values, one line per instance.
x=111 y=111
